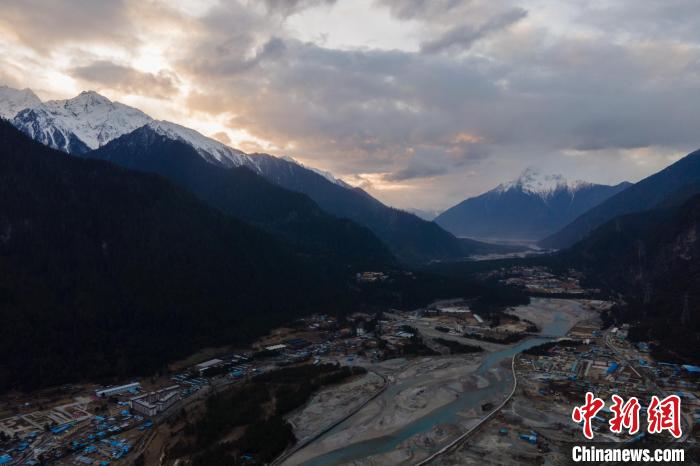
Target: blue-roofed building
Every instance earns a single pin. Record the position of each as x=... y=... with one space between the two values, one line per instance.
x=60 y=429
x=691 y=369
x=612 y=368
x=5 y=459
x=529 y=438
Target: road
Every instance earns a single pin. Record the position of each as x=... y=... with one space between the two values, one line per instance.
x=460 y=440
x=325 y=430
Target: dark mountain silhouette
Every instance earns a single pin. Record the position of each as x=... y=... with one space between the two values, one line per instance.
x=243 y=194
x=639 y=197
x=409 y=237
x=653 y=259
x=111 y=272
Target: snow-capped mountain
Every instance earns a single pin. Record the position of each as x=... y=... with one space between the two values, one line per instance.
x=218 y=153
x=210 y=149
x=90 y=123
x=90 y=120
x=80 y=124
x=14 y=100
x=528 y=208
x=541 y=184
x=326 y=174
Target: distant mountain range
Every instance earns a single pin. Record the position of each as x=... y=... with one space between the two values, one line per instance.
x=91 y=121
x=528 y=208
x=675 y=181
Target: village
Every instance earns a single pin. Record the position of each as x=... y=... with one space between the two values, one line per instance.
x=552 y=379
x=97 y=425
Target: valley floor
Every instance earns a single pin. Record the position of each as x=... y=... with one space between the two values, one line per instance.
x=428 y=401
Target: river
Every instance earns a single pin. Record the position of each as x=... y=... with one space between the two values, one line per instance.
x=448 y=413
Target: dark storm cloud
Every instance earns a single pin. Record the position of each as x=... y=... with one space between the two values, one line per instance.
x=463 y=36
x=128 y=80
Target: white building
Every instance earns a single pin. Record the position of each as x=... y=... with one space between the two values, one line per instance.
x=152 y=403
x=109 y=391
x=275 y=347
x=203 y=366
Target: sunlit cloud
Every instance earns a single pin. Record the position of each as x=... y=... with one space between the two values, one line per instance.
x=422 y=103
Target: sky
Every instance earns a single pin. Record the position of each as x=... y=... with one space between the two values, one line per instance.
x=423 y=103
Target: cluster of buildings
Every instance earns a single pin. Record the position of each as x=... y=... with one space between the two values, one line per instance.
x=604 y=362
x=539 y=280
x=152 y=403
x=370 y=277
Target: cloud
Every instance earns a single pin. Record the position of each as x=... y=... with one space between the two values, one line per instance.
x=402 y=114
x=462 y=37
x=43 y=25
x=468 y=93
x=222 y=137
x=162 y=85
x=423 y=9
x=289 y=7
x=413 y=172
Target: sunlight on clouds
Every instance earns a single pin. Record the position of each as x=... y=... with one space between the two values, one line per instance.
x=467 y=138
x=347 y=25
x=343 y=86
x=376 y=182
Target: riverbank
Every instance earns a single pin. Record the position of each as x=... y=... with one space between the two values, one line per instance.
x=414 y=413
x=431 y=401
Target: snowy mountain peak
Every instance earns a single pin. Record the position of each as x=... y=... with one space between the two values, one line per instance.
x=12 y=101
x=534 y=182
x=90 y=120
x=210 y=149
x=327 y=175
x=86 y=101
x=84 y=122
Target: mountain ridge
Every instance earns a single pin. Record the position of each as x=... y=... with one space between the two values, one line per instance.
x=651 y=259
x=527 y=208
x=242 y=193
x=116 y=272
x=409 y=238
x=13 y=100
x=79 y=124
x=641 y=196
